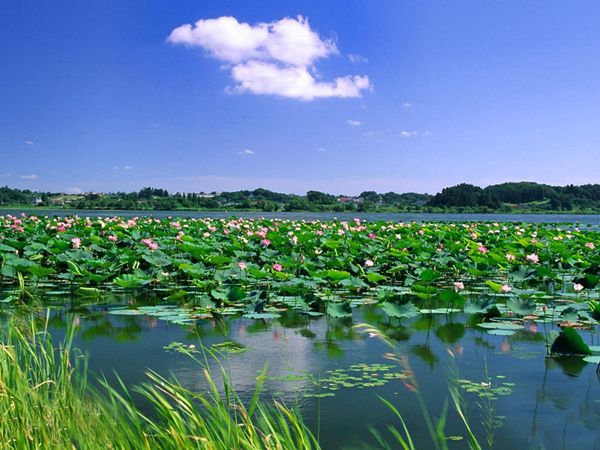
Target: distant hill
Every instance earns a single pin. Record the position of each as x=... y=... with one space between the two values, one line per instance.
x=519 y=195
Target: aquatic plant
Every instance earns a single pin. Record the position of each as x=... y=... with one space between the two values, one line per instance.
x=224 y=266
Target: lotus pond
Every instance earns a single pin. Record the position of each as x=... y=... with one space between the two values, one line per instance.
x=504 y=314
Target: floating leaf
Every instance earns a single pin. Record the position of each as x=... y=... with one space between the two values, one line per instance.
x=500 y=326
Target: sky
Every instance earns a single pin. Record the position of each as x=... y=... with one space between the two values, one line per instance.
x=341 y=97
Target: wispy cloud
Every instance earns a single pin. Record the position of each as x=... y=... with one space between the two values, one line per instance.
x=275 y=58
x=322 y=150
x=29 y=142
x=407 y=104
x=354 y=123
x=246 y=152
x=29 y=177
x=409 y=134
x=125 y=167
x=356 y=59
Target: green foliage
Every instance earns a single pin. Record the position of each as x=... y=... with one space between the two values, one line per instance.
x=570 y=342
x=522 y=196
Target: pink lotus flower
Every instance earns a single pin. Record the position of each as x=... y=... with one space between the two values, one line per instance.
x=150 y=244
x=506 y=288
x=265 y=242
x=369 y=263
x=242 y=265
x=76 y=242
x=577 y=287
x=113 y=238
x=458 y=285
x=277 y=267
x=371 y=235
x=482 y=249
x=533 y=258
x=590 y=245
x=510 y=257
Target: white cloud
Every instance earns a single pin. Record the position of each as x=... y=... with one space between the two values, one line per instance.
x=126 y=167
x=354 y=123
x=407 y=104
x=246 y=152
x=29 y=177
x=408 y=134
x=356 y=59
x=265 y=78
x=29 y=142
x=275 y=58
x=322 y=150
x=289 y=41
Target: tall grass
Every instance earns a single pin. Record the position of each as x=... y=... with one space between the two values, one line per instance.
x=47 y=403
x=435 y=426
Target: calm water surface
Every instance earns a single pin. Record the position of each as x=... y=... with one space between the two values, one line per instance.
x=586 y=219
x=546 y=403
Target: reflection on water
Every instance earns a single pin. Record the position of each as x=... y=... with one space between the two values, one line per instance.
x=541 y=403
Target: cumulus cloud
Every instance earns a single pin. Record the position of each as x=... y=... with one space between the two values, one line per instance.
x=33 y=176
x=354 y=123
x=275 y=58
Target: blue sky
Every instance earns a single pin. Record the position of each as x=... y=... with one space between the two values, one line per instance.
x=106 y=96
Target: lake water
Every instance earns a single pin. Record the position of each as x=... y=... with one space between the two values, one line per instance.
x=516 y=396
x=540 y=402
x=584 y=219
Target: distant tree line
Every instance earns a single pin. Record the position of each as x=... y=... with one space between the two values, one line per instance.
x=505 y=197
x=519 y=195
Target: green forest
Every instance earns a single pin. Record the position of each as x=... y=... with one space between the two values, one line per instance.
x=526 y=197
